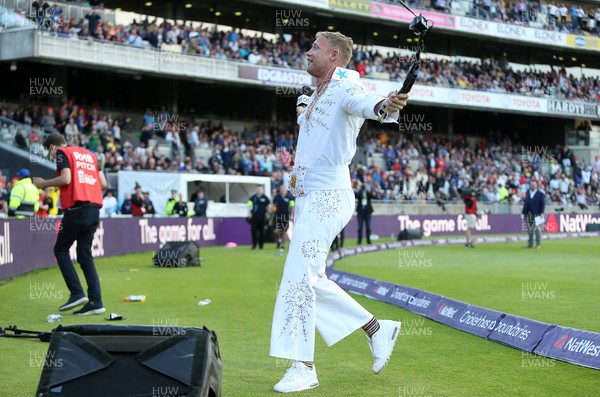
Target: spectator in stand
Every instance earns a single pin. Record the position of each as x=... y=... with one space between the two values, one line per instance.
x=440 y=5
x=361 y=68
x=4 y=196
x=40 y=9
x=24 y=196
x=138 y=207
x=565 y=188
x=72 y=133
x=170 y=207
x=109 y=204
x=126 y=205
x=574 y=18
x=147 y=132
x=180 y=208
x=582 y=19
x=580 y=199
x=553 y=14
x=93 y=19
x=116 y=131
x=555 y=194
x=503 y=194
x=48 y=121
x=194 y=140
x=563 y=14
x=148 y=204
x=133 y=38
x=45 y=203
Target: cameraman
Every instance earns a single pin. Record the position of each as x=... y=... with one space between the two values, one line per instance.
x=470 y=215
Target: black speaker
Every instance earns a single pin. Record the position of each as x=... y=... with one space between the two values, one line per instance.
x=410 y=234
x=177 y=254
x=100 y=360
x=592 y=227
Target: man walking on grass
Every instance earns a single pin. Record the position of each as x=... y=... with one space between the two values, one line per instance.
x=320 y=181
x=533 y=213
x=81 y=182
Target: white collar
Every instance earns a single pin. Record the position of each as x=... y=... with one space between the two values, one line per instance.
x=345 y=74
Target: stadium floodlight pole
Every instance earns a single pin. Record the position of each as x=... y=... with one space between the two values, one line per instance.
x=420 y=26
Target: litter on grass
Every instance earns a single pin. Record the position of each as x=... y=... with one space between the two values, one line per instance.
x=115 y=317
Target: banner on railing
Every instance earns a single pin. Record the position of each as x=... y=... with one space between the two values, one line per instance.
x=567 y=344
x=117 y=236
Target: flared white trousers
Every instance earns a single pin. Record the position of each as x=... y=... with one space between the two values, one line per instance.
x=307 y=299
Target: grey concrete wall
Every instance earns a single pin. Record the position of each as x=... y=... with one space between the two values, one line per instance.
x=17 y=44
x=13 y=159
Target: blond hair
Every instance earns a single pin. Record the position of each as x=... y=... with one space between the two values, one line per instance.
x=339 y=42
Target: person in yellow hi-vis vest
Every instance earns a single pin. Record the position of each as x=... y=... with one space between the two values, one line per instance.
x=503 y=194
x=54 y=194
x=170 y=207
x=24 y=196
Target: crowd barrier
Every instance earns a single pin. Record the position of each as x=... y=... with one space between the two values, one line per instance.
x=27 y=244
x=550 y=340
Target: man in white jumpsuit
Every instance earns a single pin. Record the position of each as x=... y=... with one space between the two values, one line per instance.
x=320 y=179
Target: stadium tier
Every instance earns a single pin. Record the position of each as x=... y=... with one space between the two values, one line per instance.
x=139 y=130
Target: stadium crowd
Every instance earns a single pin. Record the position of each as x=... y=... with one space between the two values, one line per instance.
x=559 y=16
x=417 y=167
x=497 y=168
x=494 y=75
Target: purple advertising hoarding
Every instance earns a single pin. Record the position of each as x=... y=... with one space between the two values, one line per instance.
x=578 y=347
x=401 y=295
x=441 y=225
x=571 y=345
x=519 y=332
x=478 y=320
x=424 y=303
x=27 y=244
x=438 y=225
x=351 y=282
x=448 y=311
x=380 y=290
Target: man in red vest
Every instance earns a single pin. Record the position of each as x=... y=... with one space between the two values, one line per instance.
x=81 y=182
x=471 y=215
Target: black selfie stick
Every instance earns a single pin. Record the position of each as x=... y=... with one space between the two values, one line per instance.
x=420 y=26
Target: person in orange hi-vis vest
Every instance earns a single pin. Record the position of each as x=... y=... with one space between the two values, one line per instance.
x=81 y=182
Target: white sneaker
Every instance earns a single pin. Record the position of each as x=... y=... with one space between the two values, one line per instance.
x=297 y=378
x=382 y=343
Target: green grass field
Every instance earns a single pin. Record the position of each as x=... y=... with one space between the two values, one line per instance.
x=430 y=359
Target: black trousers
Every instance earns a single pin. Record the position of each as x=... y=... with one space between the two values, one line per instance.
x=258 y=232
x=338 y=241
x=79 y=224
x=364 y=217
